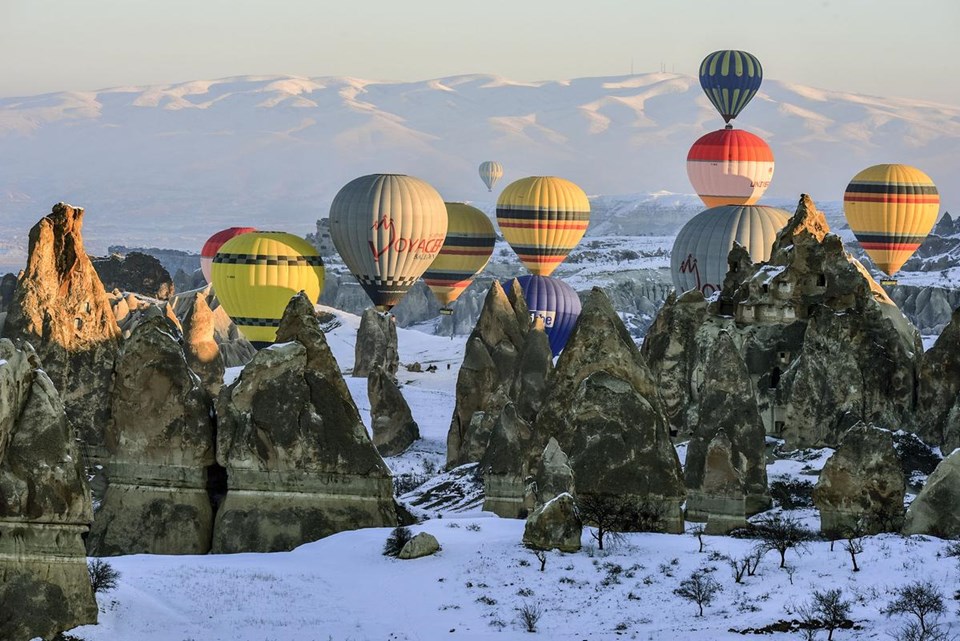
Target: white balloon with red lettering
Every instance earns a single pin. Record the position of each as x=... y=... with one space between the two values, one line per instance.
x=388 y=229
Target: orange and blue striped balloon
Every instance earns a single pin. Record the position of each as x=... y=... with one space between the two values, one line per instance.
x=730 y=79
x=465 y=252
x=543 y=218
x=891 y=210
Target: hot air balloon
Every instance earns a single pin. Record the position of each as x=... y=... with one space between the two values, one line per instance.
x=388 y=228
x=214 y=243
x=465 y=252
x=543 y=218
x=730 y=167
x=490 y=172
x=699 y=257
x=255 y=275
x=891 y=209
x=730 y=79
x=553 y=301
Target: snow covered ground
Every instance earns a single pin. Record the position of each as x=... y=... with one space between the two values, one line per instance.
x=342 y=588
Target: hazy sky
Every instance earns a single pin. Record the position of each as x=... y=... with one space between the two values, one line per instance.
x=881 y=47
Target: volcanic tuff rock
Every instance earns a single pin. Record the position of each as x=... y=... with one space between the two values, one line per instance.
x=299 y=461
x=394 y=429
x=726 y=472
x=161 y=444
x=423 y=544
x=823 y=344
x=934 y=511
x=135 y=272
x=554 y=475
x=235 y=349
x=554 y=526
x=504 y=361
x=937 y=418
x=605 y=413
x=8 y=288
x=200 y=345
x=45 y=506
x=376 y=344
x=62 y=309
x=861 y=487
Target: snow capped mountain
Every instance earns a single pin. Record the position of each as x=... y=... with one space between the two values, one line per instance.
x=273 y=151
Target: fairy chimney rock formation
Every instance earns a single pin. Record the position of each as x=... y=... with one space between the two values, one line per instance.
x=394 y=429
x=200 y=345
x=300 y=464
x=161 y=444
x=45 y=506
x=376 y=344
x=62 y=310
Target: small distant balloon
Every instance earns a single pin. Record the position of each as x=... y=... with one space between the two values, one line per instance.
x=730 y=167
x=730 y=78
x=891 y=210
x=490 y=172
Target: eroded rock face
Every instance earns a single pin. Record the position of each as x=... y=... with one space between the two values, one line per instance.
x=823 y=344
x=200 y=345
x=934 y=511
x=394 y=429
x=554 y=475
x=376 y=344
x=45 y=506
x=299 y=461
x=938 y=393
x=861 y=487
x=605 y=413
x=161 y=444
x=554 y=526
x=504 y=362
x=135 y=272
x=726 y=473
x=235 y=349
x=61 y=308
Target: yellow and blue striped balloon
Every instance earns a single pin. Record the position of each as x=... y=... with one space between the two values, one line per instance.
x=465 y=252
x=730 y=79
x=256 y=274
x=891 y=209
x=543 y=218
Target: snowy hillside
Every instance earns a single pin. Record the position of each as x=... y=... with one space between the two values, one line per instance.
x=165 y=165
x=342 y=588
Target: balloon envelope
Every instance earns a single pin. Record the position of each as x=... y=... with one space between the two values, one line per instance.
x=553 y=301
x=730 y=79
x=388 y=228
x=256 y=274
x=543 y=218
x=730 y=167
x=699 y=257
x=214 y=243
x=490 y=172
x=891 y=210
x=465 y=252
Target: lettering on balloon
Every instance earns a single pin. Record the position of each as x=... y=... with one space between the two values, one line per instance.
x=689 y=266
x=422 y=248
x=548 y=317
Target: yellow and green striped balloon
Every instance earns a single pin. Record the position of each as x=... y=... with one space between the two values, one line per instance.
x=465 y=252
x=730 y=79
x=891 y=209
x=543 y=218
x=255 y=275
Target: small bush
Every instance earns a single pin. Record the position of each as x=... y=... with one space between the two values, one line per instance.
x=395 y=542
x=103 y=577
x=916 y=457
x=920 y=599
x=827 y=610
x=529 y=615
x=701 y=588
x=791 y=494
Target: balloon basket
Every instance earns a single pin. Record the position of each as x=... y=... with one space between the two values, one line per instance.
x=446 y=311
x=888 y=282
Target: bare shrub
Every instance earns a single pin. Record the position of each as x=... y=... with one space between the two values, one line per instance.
x=529 y=615
x=103 y=577
x=395 y=542
x=920 y=599
x=826 y=611
x=701 y=588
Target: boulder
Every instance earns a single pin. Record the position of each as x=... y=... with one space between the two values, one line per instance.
x=161 y=445
x=934 y=511
x=423 y=544
x=45 y=506
x=135 y=272
x=556 y=525
x=61 y=308
x=376 y=344
x=861 y=486
x=504 y=362
x=394 y=429
x=200 y=345
x=726 y=473
x=300 y=463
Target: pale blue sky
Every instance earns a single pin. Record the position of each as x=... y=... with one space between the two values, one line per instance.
x=880 y=47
